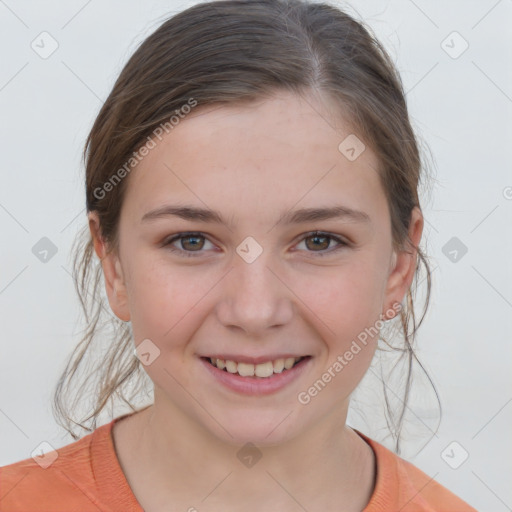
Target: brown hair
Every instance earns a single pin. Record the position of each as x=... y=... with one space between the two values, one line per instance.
x=229 y=51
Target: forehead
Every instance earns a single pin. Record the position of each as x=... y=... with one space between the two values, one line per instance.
x=253 y=157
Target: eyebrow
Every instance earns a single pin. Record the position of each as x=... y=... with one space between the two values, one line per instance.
x=303 y=215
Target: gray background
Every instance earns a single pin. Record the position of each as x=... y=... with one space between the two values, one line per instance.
x=460 y=105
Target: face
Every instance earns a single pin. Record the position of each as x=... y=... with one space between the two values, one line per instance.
x=254 y=284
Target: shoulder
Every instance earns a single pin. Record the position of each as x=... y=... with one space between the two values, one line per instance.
x=427 y=493
x=55 y=481
x=402 y=486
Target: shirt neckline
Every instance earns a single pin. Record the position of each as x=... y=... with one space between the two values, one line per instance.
x=112 y=480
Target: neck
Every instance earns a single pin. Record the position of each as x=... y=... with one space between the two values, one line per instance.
x=177 y=458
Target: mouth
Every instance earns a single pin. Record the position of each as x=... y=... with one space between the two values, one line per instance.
x=257 y=378
x=262 y=370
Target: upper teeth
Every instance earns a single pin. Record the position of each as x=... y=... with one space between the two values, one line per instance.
x=259 y=370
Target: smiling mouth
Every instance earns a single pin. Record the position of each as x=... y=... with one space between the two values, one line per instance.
x=262 y=370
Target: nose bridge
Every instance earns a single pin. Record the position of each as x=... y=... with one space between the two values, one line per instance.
x=255 y=297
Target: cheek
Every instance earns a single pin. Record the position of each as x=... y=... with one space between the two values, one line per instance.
x=346 y=298
x=346 y=308
x=162 y=300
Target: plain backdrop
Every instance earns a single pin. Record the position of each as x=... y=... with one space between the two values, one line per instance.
x=454 y=58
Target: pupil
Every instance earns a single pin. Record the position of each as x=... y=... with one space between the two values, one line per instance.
x=193 y=244
x=319 y=237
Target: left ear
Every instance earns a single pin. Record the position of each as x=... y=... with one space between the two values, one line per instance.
x=402 y=275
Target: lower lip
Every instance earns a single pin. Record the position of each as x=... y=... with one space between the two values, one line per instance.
x=257 y=385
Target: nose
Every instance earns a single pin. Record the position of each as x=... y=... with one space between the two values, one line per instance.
x=254 y=296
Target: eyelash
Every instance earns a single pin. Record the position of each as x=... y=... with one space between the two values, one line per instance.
x=193 y=254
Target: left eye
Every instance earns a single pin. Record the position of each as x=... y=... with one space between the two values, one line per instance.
x=322 y=241
x=193 y=243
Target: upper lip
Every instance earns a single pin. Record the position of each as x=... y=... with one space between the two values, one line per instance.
x=252 y=360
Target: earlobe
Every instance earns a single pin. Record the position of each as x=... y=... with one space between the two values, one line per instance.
x=115 y=286
x=404 y=264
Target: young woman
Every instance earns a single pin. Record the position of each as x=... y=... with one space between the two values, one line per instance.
x=252 y=196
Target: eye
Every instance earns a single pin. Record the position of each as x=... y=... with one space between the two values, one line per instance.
x=192 y=242
x=321 y=241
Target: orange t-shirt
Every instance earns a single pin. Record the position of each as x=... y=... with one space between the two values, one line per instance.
x=87 y=477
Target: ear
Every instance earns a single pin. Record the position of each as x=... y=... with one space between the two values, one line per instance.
x=112 y=270
x=403 y=266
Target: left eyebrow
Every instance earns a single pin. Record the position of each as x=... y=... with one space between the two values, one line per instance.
x=288 y=217
x=315 y=214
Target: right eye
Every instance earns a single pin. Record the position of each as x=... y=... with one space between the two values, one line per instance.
x=192 y=244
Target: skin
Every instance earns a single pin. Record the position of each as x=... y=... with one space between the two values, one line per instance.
x=252 y=162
